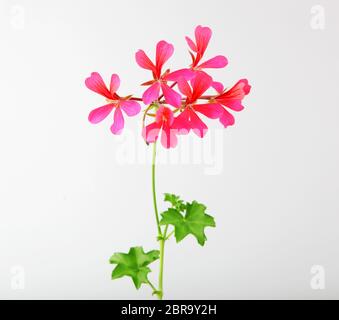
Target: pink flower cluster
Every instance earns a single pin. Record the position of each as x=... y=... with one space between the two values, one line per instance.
x=177 y=98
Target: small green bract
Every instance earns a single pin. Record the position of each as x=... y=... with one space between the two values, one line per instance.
x=175 y=201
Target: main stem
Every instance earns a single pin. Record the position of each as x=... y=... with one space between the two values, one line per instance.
x=162 y=255
x=161 y=236
x=153 y=190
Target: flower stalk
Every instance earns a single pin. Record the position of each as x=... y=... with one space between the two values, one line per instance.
x=154 y=190
x=162 y=236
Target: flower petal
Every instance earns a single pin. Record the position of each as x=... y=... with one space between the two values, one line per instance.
x=99 y=114
x=210 y=110
x=115 y=84
x=227 y=119
x=214 y=63
x=235 y=105
x=202 y=37
x=151 y=132
x=200 y=84
x=184 y=87
x=182 y=73
x=144 y=61
x=198 y=127
x=181 y=123
x=164 y=114
x=130 y=107
x=118 y=123
x=96 y=84
x=163 y=52
x=246 y=86
x=232 y=98
x=193 y=58
x=191 y=44
x=151 y=94
x=172 y=97
x=218 y=87
x=168 y=137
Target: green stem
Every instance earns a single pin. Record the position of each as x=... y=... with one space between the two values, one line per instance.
x=153 y=190
x=161 y=236
x=161 y=271
x=152 y=286
x=169 y=235
x=161 y=263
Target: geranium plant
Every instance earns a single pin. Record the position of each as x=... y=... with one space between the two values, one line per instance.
x=174 y=103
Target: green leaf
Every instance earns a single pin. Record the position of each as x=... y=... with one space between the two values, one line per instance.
x=133 y=264
x=194 y=222
x=175 y=201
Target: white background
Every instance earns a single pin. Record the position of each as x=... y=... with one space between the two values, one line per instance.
x=67 y=202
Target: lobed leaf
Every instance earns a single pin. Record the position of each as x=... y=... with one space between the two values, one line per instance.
x=133 y=264
x=193 y=222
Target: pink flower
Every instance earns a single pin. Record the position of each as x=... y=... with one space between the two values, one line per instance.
x=164 y=51
x=164 y=120
x=202 y=38
x=188 y=119
x=232 y=99
x=130 y=107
